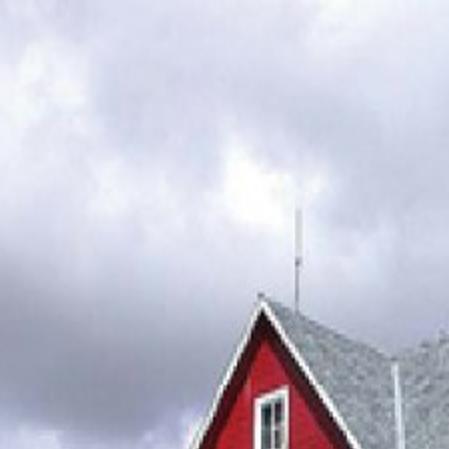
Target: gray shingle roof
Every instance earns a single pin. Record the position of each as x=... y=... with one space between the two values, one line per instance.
x=425 y=380
x=359 y=382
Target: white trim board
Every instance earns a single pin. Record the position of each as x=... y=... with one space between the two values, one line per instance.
x=264 y=307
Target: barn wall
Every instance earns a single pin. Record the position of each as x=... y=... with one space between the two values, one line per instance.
x=266 y=365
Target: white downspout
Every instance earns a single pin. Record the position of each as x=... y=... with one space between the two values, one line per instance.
x=398 y=411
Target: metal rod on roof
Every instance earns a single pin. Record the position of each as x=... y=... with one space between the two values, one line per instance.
x=298 y=254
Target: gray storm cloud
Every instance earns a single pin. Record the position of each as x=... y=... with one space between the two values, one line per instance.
x=150 y=157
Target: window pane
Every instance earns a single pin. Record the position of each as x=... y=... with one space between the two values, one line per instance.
x=278 y=438
x=266 y=438
x=266 y=426
x=278 y=412
x=266 y=415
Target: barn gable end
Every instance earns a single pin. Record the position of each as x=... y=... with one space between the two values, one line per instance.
x=270 y=357
x=266 y=366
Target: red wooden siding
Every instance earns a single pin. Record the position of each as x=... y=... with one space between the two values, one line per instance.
x=267 y=365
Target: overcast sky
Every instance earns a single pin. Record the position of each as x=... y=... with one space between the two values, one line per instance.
x=151 y=154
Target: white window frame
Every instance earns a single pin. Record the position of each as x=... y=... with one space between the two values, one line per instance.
x=280 y=393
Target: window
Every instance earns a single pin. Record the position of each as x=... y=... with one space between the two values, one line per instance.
x=271 y=420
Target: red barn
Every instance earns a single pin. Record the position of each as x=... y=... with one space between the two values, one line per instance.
x=295 y=384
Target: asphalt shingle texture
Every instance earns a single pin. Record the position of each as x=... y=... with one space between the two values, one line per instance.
x=425 y=384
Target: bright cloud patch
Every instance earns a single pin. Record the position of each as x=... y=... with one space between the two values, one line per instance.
x=254 y=194
x=49 y=77
x=257 y=195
